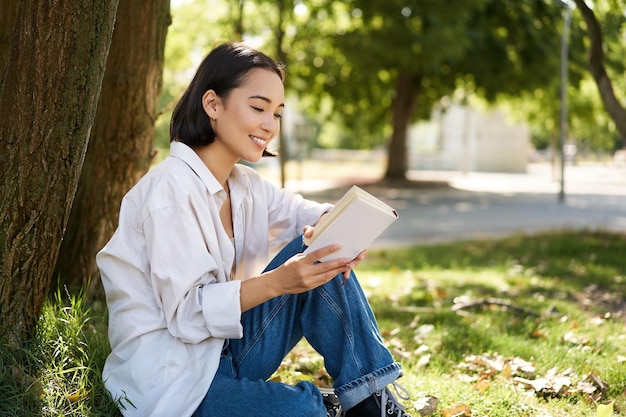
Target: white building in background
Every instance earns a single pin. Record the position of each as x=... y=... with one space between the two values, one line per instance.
x=465 y=139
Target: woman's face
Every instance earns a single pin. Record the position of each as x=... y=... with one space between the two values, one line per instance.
x=249 y=118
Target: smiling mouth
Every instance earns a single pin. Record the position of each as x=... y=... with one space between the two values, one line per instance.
x=261 y=142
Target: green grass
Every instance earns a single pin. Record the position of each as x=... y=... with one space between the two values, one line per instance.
x=59 y=372
x=557 y=303
x=473 y=324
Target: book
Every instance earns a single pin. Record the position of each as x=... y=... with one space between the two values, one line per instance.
x=354 y=222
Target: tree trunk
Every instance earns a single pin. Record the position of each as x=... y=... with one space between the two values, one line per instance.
x=48 y=97
x=596 y=65
x=238 y=20
x=121 y=144
x=403 y=109
x=8 y=18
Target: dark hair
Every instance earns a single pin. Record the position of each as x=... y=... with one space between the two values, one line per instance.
x=224 y=69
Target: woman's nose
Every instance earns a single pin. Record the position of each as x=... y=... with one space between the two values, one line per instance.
x=270 y=123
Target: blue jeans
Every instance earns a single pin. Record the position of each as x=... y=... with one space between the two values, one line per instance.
x=336 y=320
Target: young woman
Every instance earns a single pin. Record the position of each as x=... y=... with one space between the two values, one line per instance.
x=198 y=319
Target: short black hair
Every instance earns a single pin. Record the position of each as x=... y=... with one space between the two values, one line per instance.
x=222 y=70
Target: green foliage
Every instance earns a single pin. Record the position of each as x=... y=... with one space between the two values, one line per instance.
x=194 y=31
x=59 y=372
x=343 y=59
x=487 y=48
x=590 y=127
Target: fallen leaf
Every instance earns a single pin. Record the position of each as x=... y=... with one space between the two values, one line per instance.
x=585 y=387
x=462 y=410
x=427 y=405
x=570 y=337
x=400 y=353
x=519 y=365
x=424 y=361
x=605 y=410
x=424 y=329
x=597 y=321
x=598 y=382
x=536 y=384
x=482 y=385
x=422 y=349
x=441 y=293
x=78 y=395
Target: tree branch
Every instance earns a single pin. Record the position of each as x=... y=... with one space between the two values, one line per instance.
x=493 y=301
x=598 y=70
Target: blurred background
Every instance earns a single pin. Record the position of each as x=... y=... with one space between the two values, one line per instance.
x=401 y=86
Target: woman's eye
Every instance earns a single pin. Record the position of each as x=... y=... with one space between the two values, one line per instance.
x=278 y=116
x=260 y=110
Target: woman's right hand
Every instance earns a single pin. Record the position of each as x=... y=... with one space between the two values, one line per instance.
x=299 y=274
x=302 y=272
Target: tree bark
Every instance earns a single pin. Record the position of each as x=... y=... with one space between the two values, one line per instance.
x=8 y=18
x=616 y=111
x=121 y=144
x=403 y=110
x=48 y=97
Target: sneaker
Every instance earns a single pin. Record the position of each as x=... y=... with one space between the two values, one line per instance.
x=389 y=405
x=331 y=402
x=382 y=404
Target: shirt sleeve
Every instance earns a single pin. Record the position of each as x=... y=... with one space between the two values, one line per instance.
x=184 y=276
x=289 y=213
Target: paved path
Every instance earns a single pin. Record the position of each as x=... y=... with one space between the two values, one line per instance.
x=486 y=205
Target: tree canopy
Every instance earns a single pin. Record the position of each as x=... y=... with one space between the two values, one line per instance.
x=345 y=60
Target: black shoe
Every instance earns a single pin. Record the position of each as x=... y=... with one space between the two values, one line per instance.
x=331 y=402
x=381 y=404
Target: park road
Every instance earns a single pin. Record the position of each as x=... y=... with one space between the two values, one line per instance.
x=449 y=206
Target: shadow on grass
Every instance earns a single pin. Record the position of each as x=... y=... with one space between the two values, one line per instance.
x=574 y=260
x=556 y=298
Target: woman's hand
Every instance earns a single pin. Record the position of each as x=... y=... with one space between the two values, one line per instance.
x=308 y=232
x=303 y=272
x=299 y=274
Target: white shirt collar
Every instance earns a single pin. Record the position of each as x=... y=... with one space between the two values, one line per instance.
x=191 y=158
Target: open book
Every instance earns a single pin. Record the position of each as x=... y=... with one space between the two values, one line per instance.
x=354 y=222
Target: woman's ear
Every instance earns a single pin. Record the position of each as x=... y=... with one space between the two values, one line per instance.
x=210 y=104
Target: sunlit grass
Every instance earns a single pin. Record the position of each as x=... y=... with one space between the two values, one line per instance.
x=59 y=373
x=555 y=301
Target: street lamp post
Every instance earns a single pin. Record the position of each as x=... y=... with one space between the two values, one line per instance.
x=564 y=125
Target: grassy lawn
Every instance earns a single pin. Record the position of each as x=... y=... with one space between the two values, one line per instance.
x=523 y=326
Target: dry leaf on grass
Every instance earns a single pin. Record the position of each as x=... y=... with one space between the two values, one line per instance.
x=78 y=395
x=487 y=365
x=481 y=370
x=427 y=405
x=482 y=385
x=462 y=410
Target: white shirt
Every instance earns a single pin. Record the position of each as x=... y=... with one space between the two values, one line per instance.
x=166 y=273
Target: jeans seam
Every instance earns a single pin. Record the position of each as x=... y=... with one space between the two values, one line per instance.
x=347 y=329
x=266 y=323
